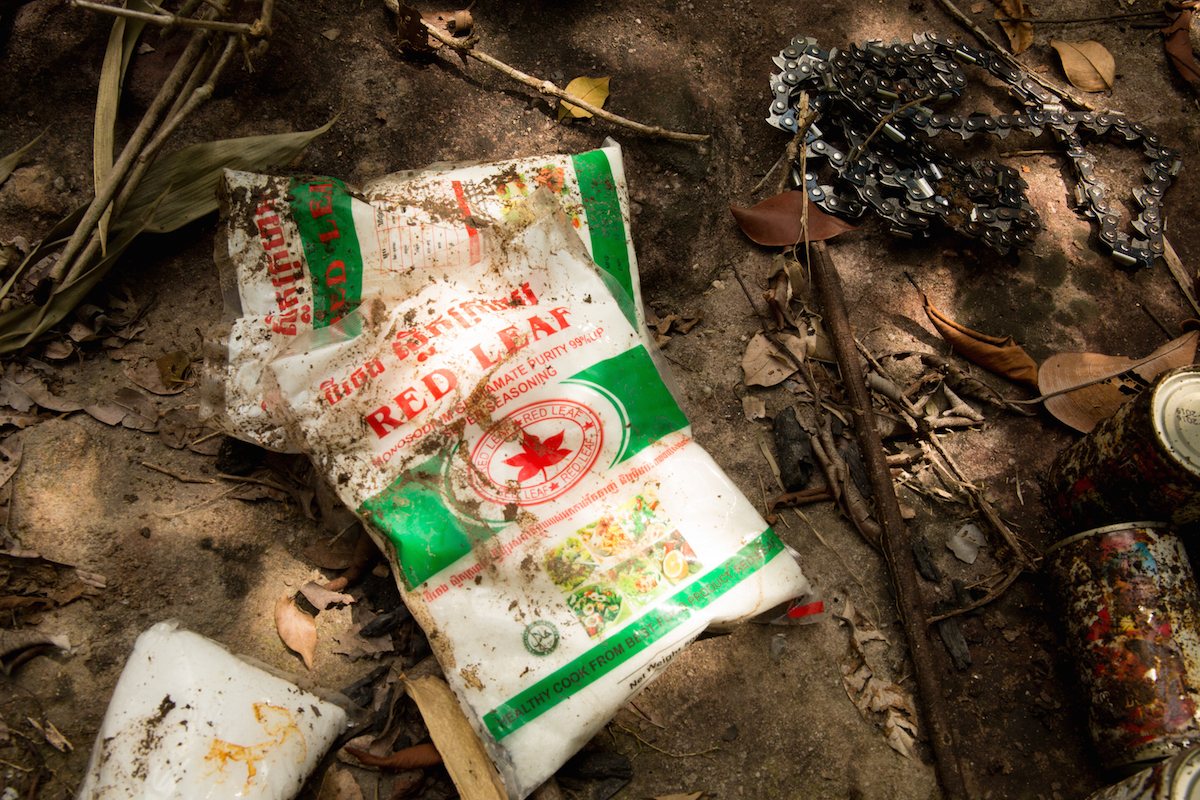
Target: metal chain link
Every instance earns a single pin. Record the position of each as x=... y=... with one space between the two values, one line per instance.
x=907 y=181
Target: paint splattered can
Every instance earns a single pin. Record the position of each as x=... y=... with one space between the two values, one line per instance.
x=1131 y=610
x=1142 y=462
x=1177 y=778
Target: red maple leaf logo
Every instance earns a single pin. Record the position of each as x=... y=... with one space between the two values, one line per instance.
x=537 y=455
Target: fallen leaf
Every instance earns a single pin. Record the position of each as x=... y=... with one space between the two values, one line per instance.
x=10 y=161
x=147 y=375
x=411 y=33
x=1083 y=409
x=339 y=784
x=332 y=33
x=777 y=221
x=415 y=757
x=590 y=90
x=354 y=646
x=1088 y=65
x=999 y=355
x=321 y=598
x=1020 y=34
x=1178 y=46
x=335 y=556
x=455 y=23
x=754 y=407
x=764 y=364
x=297 y=629
x=977 y=8
x=870 y=693
x=140 y=413
x=173 y=368
x=692 y=796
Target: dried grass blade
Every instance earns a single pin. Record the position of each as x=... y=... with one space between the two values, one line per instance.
x=121 y=39
x=189 y=176
x=10 y=161
x=22 y=325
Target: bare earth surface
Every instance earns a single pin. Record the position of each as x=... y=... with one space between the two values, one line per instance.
x=761 y=713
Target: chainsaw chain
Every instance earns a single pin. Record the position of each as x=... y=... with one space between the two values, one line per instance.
x=906 y=180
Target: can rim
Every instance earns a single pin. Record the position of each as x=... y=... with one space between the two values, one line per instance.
x=1171 y=396
x=1119 y=526
x=1186 y=783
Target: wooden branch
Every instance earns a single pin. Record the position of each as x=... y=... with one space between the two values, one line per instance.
x=547 y=87
x=897 y=547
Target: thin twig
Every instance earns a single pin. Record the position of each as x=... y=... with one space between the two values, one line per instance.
x=176 y=475
x=168 y=20
x=660 y=750
x=1141 y=362
x=1105 y=18
x=116 y=177
x=1010 y=59
x=547 y=87
x=857 y=151
x=993 y=594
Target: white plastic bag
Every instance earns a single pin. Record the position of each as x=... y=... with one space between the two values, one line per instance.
x=191 y=721
x=501 y=428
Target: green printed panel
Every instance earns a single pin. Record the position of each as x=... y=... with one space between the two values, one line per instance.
x=605 y=222
x=322 y=209
x=632 y=639
x=415 y=516
x=649 y=411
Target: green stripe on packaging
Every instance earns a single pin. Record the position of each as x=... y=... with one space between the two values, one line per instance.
x=633 y=639
x=610 y=247
x=632 y=383
x=323 y=211
x=414 y=514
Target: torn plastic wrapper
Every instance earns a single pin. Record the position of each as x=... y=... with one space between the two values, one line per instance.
x=509 y=442
x=188 y=719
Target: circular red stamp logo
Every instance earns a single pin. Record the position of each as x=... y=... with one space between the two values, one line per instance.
x=536 y=453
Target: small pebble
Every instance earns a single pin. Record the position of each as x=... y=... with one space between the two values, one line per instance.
x=778 y=645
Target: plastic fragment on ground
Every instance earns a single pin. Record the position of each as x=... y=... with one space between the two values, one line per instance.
x=188 y=719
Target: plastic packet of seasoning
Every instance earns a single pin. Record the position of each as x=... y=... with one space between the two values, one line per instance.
x=513 y=449
x=188 y=719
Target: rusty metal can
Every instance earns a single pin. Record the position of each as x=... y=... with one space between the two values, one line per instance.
x=1143 y=461
x=1131 y=611
x=1177 y=778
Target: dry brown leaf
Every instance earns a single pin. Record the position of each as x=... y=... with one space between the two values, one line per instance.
x=776 y=221
x=1083 y=409
x=146 y=374
x=764 y=364
x=1087 y=64
x=297 y=629
x=1178 y=46
x=321 y=598
x=416 y=757
x=455 y=23
x=339 y=784
x=1020 y=34
x=692 y=796
x=1002 y=356
x=977 y=8
x=590 y=90
x=411 y=33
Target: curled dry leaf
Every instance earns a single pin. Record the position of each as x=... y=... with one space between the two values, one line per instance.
x=1088 y=65
x=1177 y=43
x=415 y=757
x=1020 y=34
x=339 y=784
x=777 y=221
x=764 y=364
x=1084 y=408
x=590 y=90
x=297 y=629
x=1002 y=356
